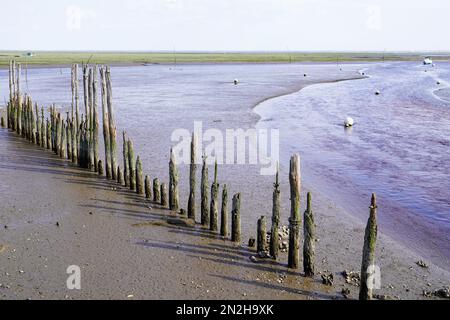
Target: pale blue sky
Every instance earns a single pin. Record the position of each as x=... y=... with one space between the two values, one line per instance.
x=305 y=25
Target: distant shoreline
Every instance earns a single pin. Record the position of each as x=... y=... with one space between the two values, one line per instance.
x=64 y=59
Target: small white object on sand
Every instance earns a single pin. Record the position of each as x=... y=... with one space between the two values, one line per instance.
x=348 y=122
x=236 y=81
x=377 y=92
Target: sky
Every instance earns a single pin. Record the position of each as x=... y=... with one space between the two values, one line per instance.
x=225 y=25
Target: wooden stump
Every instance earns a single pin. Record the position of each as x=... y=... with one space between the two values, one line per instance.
x=139 y=177
x=274 y=241
x=368 y=257
x=294 y=220
x=261 y=243
x=173 y=183
x=204 y=212
x=224 y=213
x=148 y=190
x=309 y=239
x=192 y=178
x=236 y=218
x=164 y=196
x=214 y=207
x=156 y=191
x=131 y=163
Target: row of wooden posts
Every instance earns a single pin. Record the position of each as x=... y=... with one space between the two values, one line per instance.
x=76 y=138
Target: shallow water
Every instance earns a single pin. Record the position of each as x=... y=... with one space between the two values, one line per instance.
x=399 y=146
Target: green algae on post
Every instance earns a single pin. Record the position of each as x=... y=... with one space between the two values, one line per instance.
x=309 y=239
x=294 y=220
x=368 y=257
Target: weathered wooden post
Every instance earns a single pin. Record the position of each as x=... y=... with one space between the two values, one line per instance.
x=156 y=191
x=204 y=212
x=95 y=116
x=214 y=207
x=236 y=218
x=119 y=175
x=139 y=178
x=224 y=213
x=43 y=135
x=106 y=136
x=164 y=199
x=192 y=178
x=368 y=257
x=68 y=137
x=76 y=125
x=49 y=135
x=100 y=167
x=126 y=163
x=309 y=241
x=131 y=163
x=19 y=101
x=148 y=190
x=85 y=95
x=38 y=126
x=173 y=183
x=92 y=164
x=112 y=123
x=62 y=150
x=58 y=134
x=294 y=220
x=261 y=244
x=274 y=243
x=2 y=122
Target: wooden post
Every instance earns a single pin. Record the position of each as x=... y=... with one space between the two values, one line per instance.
x=95 y=116
x=112 y=123
x=106 y=136
x=274 y=243
x=58 y=134
x=204 y=212
x=100 y=167
x=68 y=137
x=294 y=220
x=75 y=125
x=126 y=163
x=19 y=101
x=164 y=200
x=261 y=245
x=119 y=175
x=192 y=178
x=214 y=207
x=156 y=191
x=131 y=163
x=148 y=190
x=236 y=218
x=2 y=122
x=62 y=150
x=49 y=135
x=92 y=164
x=368 y=257
x=43 y=135
x=173 y=183
x=38 y=126
x=309 y=241
x=85 y=94
x=139 y=178
x=224 y=213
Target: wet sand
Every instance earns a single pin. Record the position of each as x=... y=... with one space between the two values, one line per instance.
x=126 y=248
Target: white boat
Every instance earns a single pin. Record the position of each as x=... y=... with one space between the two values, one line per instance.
x=427 y=61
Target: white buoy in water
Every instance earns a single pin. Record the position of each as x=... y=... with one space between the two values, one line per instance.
x=236 y=81
x=377 y=92
x=348 y=122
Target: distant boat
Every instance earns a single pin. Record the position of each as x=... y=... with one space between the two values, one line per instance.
x=427 y=61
